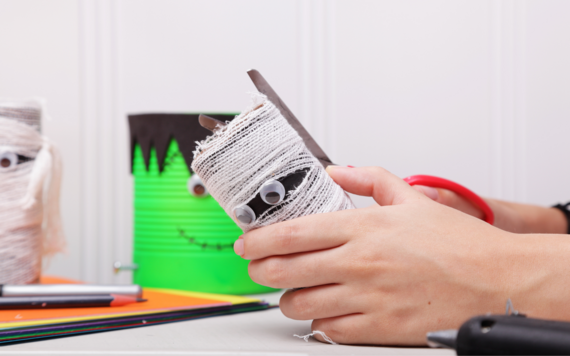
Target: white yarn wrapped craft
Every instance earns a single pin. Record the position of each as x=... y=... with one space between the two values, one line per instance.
x=30 y=171
x=257 y=150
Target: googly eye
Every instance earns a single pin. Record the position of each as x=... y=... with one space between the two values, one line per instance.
x=272 y=192
x=244 y=214
x=8 y=160
x=196 y=187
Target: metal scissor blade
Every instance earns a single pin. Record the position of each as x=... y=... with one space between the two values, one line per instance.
x=210 y=123
x=264 y=88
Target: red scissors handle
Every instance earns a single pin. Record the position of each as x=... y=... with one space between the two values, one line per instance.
x=436 y=182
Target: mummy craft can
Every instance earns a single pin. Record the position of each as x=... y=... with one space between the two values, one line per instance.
x=183 y=239
x=30 y=171
x=260 y=171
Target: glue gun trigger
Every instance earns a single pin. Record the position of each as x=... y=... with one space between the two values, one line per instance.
x=210 y=123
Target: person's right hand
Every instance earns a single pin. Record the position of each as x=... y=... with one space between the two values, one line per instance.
x=512 y=217
x=389 y=273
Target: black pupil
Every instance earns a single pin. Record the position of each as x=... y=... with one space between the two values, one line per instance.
x=5 y=162
x=272 y=197
x=199 y=189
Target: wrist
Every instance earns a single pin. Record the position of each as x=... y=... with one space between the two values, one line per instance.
x=537 y=274
x=525 y=219
x=565 y=211
x=507 y=217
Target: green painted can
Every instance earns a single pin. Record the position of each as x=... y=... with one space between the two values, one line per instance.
x=181 y=241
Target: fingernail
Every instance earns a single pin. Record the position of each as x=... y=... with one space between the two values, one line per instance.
x=430 y=192
x=333 y=166
x=238 y=247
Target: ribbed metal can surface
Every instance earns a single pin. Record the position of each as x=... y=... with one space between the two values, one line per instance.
x=182 y=241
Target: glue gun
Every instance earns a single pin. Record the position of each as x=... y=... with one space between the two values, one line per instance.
x=505 y=335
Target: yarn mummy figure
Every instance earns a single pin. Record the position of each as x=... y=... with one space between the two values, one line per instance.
x=30 y=225
x=259 y=170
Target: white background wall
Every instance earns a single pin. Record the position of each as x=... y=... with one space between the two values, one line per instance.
x=473 y=91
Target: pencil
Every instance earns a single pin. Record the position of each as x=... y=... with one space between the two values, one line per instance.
x=71 y=301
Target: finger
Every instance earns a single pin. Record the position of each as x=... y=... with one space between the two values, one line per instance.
x=372 y=329
x=308 y=233
x=453 y=200
x=346 y=329
x=299 y=270
x=450 y=199
x=375 y=182
x=319 y=302
x=429 y=192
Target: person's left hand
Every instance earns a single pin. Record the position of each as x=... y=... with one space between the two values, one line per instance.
x=389 y=273
x=509 y=216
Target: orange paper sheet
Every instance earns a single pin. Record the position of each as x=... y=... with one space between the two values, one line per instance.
x=158 y=301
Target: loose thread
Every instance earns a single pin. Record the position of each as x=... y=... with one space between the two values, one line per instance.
x=317 y=332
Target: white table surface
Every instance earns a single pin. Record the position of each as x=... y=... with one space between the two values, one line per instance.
x=258 y=333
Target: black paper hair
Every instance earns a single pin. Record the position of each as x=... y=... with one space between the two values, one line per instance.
x=157 y=130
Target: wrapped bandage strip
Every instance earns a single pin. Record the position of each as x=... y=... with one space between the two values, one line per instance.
x=30 y=172
x=259 y=170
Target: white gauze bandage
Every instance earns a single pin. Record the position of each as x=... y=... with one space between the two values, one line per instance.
x=257 y=146
x=29 y=196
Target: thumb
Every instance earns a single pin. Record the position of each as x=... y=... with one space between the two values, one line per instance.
x=375 y=182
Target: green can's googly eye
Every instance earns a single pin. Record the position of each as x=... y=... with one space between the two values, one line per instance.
x=244 y=214
x=8 y=160
x=196 y=187
x=272 y=192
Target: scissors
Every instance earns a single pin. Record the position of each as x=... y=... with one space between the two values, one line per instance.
x=435 y=182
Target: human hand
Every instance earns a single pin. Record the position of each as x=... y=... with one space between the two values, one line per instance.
x=452 y=200
x=513 y=217
x=386 y=274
